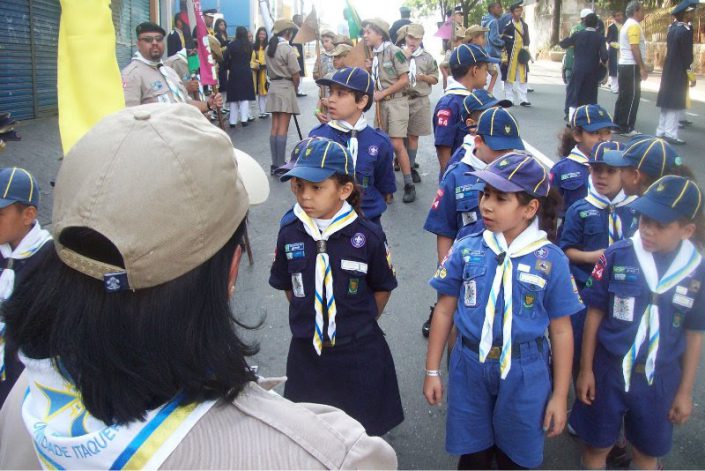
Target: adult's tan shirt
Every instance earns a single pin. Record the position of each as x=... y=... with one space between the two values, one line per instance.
x=258 y=430
x=144 y=84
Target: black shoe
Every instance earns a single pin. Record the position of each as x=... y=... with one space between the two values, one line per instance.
x=685 y=122
x=244 y=124
x=416 y=165
x=415 y=176
x=409 y=193
x=272 y=168
x=426 y=327
x=618 y=458
x=674 y=141
x=233 y=125
x=301 y=95
x=530 y=90
x=10 y=136
x=525 y=104
x=250 y=119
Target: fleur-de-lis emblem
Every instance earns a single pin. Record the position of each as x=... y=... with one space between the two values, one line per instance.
x=63 y=401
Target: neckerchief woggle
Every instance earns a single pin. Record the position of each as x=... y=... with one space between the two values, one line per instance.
x=686 y=261
x=528 y=241
x=353 y=130
x=30 y=244
x=159 y=65
x=412 y=66
x=324 y=275
x=66 y=436
x=375 y=63
x=615 y=229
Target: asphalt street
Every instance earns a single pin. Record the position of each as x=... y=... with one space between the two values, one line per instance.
x=419 y=441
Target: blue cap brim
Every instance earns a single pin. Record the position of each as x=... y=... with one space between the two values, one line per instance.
x=315 y=175
x=597 y=126
x=615 y=158
x=328 y=82
x=5 y=203
x=656 y=211
x=496 y=181
x=490 y=59
x=502 y=143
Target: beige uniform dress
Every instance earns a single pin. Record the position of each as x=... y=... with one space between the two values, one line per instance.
x=143 y=83
x=419 y=103
x=281 y=97
x=394 y=109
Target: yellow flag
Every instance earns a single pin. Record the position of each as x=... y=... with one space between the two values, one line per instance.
x=89 y=85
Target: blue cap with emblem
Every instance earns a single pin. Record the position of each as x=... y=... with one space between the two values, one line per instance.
x=353 y=78
x=685 y=5
x=499 y=130
x=480 y=100
x=651 y=155
x=592 y=118
x=469 y=54
x=670 y=198
x=516 y=172
x=18 y=186
x=320 y=159
x=597 y=156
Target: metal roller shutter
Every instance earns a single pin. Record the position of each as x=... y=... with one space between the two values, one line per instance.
x=16 y=90
x=127 y=14
x=45 y=40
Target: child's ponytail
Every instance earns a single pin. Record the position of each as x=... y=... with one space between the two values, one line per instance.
x=567 y=140
x=355 y=198
x=548 y=211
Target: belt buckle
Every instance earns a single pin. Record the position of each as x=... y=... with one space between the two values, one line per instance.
x=495 y=353
x=640 y=368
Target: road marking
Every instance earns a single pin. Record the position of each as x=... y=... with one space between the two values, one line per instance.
x=692 y=114
x=645 y=100
x=547 y=161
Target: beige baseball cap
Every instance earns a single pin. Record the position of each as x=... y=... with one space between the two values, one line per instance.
x=401 y=34
x=379 y=23
x=339 y=50
x=415 y=30
x=163 y=185
x=473 y=30
x=281 y=25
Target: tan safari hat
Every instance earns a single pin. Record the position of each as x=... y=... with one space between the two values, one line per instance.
x=283 y=24
x=415 y=30
x=163 y=185
x=379 y=23
x=339 y=50
x=473 y=30
x=401 y=34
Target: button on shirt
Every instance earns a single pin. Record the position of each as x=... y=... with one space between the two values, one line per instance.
x=455 y=212
x=374 y=171
x=618 y=288
x=360 y=264
x=543 y=289
x=586 y=228
x=448 y=131
x=571 y=178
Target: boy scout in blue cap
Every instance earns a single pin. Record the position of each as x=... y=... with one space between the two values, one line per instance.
x=21 y=238
x=643 y=333
x=455 y=212
x=336 y=270
x=468 y=65
x=351 y=91
x=502 y=289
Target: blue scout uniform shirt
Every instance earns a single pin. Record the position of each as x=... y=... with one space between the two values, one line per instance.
x=571 y=179
x=587 y=228
x=618 y=288
x=360 y=263
x=374 y=171
x=455 y=212
x=448 y=130
x=543 y=289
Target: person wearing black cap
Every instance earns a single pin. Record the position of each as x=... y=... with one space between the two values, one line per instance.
x=209 y=19
x=147 y=80
x=674 y=80
x=405 y=13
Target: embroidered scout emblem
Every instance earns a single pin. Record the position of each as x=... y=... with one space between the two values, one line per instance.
x=678 y=160
x=441 y=273
x=437 y=200
x=373 y=151
x=544 y=266
x=623 y=308
x=469 y=217
x=503 y=163
x=541 y=253
x=660 y=187
x=599 y=269
x=297 y=285
x=677 y=320
x=507 y=129
x=470 y=293
x=115 y=282
x=442 y=117
x=388 y=254
x=157 y=85
x=529 y=300
x=695 y=286
x=358 y=240
x=308 y=152
x=353 y=286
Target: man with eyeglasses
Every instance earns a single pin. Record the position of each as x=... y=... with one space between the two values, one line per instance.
x=147 y=80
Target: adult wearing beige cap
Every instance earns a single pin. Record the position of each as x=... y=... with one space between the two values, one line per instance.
x=133 y=359
x=284 y=74
x=389 y=69
x=423 y=74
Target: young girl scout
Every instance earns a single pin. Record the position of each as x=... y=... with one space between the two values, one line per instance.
x=336 y=270
x=591 y=124
x=372 y=154
x=502 y=289
x=643 y=333
x=284 y=72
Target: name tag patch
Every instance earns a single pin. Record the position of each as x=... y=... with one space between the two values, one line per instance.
x=623 y=308
x=470 y=293
x=351 y=265
x=469 y=217
x=297 y=285
x=532 y=279
x=522 y=267
x=683 y=301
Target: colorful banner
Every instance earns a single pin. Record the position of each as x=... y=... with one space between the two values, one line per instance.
x=208 y=74
x=354 y=21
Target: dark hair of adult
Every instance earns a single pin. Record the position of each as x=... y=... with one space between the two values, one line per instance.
x=131 y=351
x=261 y=44
x=241 y=36
x=216 y=26
x=491 y=5
x=590 y=21
x=274 y=41
x=177 y=20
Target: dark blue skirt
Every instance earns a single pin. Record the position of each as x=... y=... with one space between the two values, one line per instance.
x=358 y=378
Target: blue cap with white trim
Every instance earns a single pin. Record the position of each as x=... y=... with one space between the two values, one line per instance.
x=469 y=54
x=18 y=186
x=670 y=198
x=499 y=130
x=321 y=159
x=519 y=171
x=353 y=78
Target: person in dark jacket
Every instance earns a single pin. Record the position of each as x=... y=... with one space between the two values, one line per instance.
x=221 y=34
x=674 y=81
x=176 y=40
x=405 y=13
x=613 y=48
x=590 y=58
x=240 y=89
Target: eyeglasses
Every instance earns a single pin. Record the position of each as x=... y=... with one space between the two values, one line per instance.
x=152 y=39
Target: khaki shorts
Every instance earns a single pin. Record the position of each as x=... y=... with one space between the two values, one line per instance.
x=394 y=116
x=419 y=116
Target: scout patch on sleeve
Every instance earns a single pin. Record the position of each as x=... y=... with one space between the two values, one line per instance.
x=400 y=57
x=544 y=266
x=442 y=117
x=297 y=285
x=437 y=200
x=470 y=293
x=599 y=269
x=388 y=255
x=623 y=308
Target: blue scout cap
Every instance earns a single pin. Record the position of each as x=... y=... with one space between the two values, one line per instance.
x=469 y=54
x=18 y=186
x=516 y=172
x=670 y=198
x=592 y=118
x=597 y=156
x=499 y=130
x=685 y=5
x=651 y=155
x=353 y=78
x=480 y=100
x=320 y=159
